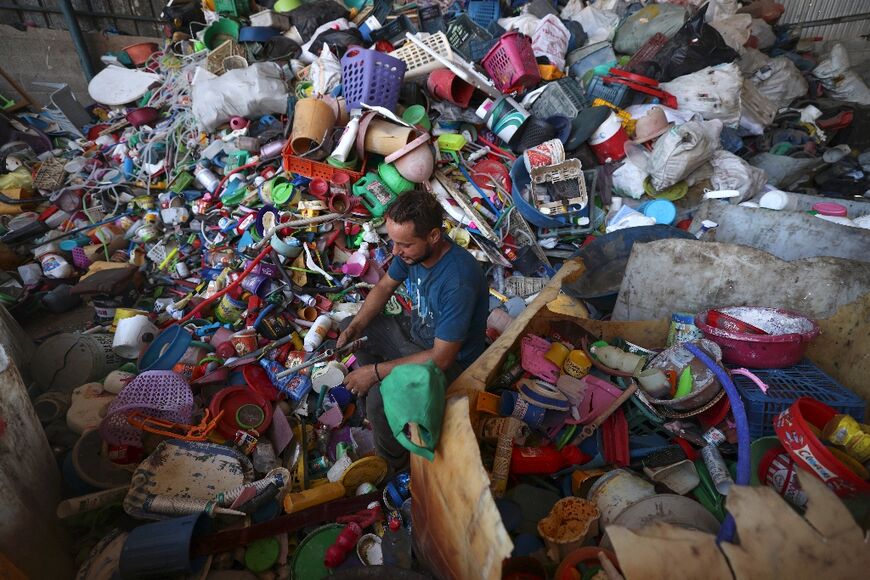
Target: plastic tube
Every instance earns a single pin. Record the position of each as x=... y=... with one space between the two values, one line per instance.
x=728 y=528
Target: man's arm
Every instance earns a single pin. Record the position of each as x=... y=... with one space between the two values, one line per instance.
x=372 y=306
x=443 y=354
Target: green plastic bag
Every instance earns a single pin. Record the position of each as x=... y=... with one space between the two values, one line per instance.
x=414 y=393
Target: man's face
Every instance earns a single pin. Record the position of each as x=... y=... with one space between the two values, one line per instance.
x=407 y=245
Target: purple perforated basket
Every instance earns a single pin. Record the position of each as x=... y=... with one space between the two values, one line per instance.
x=159 y=394
x=371 y=77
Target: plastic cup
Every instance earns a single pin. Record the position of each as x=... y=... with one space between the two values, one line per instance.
x=418 y=116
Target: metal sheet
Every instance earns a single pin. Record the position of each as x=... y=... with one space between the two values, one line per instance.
x=797 y=11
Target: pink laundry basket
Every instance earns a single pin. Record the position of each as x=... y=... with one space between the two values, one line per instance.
x=511 y=63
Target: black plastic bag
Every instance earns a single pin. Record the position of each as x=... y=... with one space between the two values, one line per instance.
x=695 y=46
x=337 y=40
x=308 y=17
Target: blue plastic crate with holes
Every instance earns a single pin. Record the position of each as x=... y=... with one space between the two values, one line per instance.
x=614 y=93
x=787 y=385
x=484 y=12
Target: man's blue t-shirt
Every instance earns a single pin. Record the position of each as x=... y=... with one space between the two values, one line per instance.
x=450 y=301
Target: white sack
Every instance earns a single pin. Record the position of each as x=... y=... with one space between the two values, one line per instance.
x=763 y=32
x=550 y=39
x=628 y=180
x=247 y=92
x=839 y=80
x=597 y=24
x=712 y=92
x=735 y=30
x=719 y=9
x=325 y=72
x=732 y=172
x=681 y=151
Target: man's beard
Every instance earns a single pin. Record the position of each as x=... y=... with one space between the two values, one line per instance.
x=424 y=257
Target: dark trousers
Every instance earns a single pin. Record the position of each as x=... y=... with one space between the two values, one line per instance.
x=389 y=338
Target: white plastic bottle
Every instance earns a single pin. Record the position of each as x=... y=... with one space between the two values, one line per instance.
x=317 y=333
x=54 y=265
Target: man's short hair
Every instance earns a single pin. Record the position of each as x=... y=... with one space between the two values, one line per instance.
x=419 y=207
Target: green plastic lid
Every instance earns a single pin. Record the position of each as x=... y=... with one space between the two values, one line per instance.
x=262 y=554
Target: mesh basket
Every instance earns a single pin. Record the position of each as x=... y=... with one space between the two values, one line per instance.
x=417 y=61
x=533 y=132
x=484 y=12
x=465 y=36
x=640 y=60
x=511 y=63
x=431 y=20
x=160 y=394
x=394 y=32
x=371 y=77
x=563 y=97
x=614 y=93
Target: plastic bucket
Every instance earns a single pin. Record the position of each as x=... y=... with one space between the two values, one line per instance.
x=162 y=549
x=617 y=490
x=608 y=141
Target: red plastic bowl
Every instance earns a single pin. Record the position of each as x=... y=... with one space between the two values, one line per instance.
x=793 y=428
x=789 y=336
x=244 y=409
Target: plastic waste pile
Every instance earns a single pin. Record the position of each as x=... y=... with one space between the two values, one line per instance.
x=220 y=208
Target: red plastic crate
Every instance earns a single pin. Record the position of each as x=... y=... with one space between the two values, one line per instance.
x=311 y=169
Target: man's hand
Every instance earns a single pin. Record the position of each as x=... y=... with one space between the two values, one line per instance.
x=348 y=335
x=361 y=380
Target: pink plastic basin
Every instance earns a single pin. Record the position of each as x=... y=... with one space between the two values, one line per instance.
x=789 y=336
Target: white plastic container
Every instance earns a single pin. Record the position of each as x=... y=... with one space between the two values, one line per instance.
x=778 y=200
x=270 y=18
x=317 y=333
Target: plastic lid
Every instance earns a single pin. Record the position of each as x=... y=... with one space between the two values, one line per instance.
x=262 y=554
x=830 y=208
x=662 y=210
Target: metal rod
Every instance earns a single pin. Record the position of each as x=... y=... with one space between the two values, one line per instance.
x=107 y=15
x=75 y=32
x=834 y=20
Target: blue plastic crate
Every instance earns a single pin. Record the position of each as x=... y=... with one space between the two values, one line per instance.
x=788 y=385
x=484 y=12
x=614 y=93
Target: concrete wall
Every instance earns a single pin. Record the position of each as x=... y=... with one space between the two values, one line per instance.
x=43 y=55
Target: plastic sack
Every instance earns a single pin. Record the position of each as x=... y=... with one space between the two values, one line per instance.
x=719 y=9
x=757 y=112
x=735 y=30
x=308 y=17
x=324 y=34
x=695 y=46
x=325 y=72
x=550 y=40
x=646 y=22
x=247 y=92
x=732 y=172
x=713 y=92
x=763 y=32
x=598 y=24
x=840 y=81
x=780 y=81
x=524 y=23
x=681 y=151
x=628 y=180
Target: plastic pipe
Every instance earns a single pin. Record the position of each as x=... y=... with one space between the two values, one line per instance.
x=728 y=528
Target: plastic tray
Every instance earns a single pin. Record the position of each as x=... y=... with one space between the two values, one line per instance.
x=311 y=169
x=785 y=386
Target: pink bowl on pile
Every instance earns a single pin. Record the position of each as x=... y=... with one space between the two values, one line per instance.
x=789 y=335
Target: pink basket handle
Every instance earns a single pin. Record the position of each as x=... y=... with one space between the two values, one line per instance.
x=752 y=377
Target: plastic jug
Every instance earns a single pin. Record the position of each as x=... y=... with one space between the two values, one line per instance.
x=375 y=196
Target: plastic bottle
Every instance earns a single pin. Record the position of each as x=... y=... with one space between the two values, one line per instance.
x=545 y=460
x=294 y=502
x=317 y=333
x=778 y=200
x=53 y=264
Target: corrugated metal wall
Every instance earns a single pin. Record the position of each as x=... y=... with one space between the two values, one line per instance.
x=808 y=10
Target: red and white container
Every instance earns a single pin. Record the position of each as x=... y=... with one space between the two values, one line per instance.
x=608 y=141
